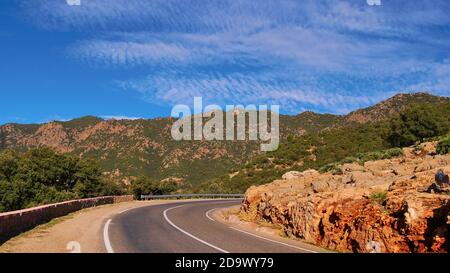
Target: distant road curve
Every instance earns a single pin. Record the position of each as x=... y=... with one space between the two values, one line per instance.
x=187 y=227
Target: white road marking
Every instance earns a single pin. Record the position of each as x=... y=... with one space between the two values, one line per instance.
x=123 y=211
x=208 y=216
x=74 y=247
x=106 y=240
x=273 y=241
x=187 y=233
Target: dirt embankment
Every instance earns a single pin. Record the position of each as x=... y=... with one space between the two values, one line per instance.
x=395 y=205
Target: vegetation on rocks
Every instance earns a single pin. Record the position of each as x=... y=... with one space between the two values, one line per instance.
x=443 y=146
x=327 y=150
x=379 y=197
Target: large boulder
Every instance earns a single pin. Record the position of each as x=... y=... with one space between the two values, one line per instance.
x=320 y=186
x=292 y=175
x=325 y=183
x=310 y=173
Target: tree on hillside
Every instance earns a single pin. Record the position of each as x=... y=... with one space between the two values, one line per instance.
x=145 y=185
x=417 y=123
x=14 y=195
x=44 y=166
x=89 y=181
x=8 y=164
x=41 y=176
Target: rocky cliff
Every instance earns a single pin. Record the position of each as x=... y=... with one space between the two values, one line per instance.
x=395 y=205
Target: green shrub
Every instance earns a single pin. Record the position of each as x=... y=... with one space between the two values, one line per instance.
x=349 y=159
x=378 y=155
x=372 y=156
x=443 y=146
x=379 y=197
x=145 y=185
x=391 y=153
x=334 y=168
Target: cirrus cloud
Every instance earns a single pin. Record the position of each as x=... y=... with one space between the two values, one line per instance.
x=331 y=56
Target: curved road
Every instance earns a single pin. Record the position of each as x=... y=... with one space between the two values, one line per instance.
x=186 y=227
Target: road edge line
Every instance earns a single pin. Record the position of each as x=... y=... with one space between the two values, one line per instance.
x=273 y=241
x=106 y=240
x=187 y=233
x=208 y=216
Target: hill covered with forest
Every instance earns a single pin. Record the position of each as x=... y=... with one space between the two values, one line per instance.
x=128 y=149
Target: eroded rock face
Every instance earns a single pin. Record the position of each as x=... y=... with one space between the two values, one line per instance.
x=382 y=206
x=292 y=175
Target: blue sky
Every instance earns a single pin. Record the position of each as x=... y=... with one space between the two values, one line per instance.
x=138 y=58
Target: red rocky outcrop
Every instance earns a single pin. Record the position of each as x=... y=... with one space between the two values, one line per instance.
x=383 y=206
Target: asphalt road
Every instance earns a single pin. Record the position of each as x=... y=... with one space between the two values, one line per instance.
x=187 y=227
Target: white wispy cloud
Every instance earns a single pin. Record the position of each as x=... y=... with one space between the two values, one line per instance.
x=248 y=88
x=119 y=117
x=301 y=47
x=322 y=55
x=437 y=79
x=128 y=53
x=237 y=15
x=54 y=118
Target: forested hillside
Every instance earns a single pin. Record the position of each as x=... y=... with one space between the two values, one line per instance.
x=355 y=142
x=42 y=163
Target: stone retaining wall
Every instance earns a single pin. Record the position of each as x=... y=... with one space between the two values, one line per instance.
x=15 y=222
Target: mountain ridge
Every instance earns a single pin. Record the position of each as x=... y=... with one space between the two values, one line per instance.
x=129 y=148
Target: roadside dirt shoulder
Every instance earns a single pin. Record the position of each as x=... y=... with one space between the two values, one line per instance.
x=77 y=232
x=231 y=217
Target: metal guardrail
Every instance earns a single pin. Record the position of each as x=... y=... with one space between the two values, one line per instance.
x=191 y=196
